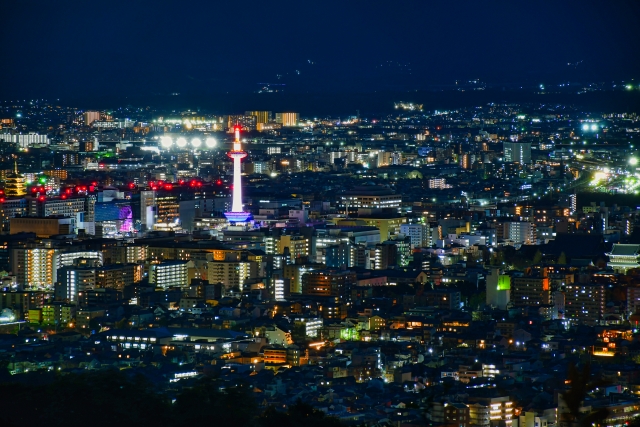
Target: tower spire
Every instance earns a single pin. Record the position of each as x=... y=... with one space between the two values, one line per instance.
x=237 y=214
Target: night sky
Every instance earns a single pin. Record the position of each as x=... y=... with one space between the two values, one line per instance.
x=86 y=48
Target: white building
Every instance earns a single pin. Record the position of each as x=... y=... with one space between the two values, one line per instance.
x=438 y=184
x=521 y=233
x=312 y=325
x=420 y=234
x=26 y=140
x=517 y=152
x=170 y=274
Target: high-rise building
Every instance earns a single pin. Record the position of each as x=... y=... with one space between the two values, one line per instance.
x=38 y=267
x=237 y=215
x=90 y=117
x=232 y=274
x=67 y=207
x=420 y=234
x=170 y=274
x=247 y=122
x=520 y=232
x=329 y=283
x=466 y=160
x=386 y=255
x=261 y=116
x=633 y=300
x=584 y=303
x=298 y=245
x=147 y=209
x=530 y=290
x=384 y=158
x=294 y=273
x=517 y=152
x=73 y=280
x=338 y=255
x=287 y=119
x=167 y=208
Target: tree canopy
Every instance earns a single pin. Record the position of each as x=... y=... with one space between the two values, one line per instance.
x=109 y=398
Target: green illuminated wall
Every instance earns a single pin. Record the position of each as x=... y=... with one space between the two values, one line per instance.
x=504 y=283
x=349 y=334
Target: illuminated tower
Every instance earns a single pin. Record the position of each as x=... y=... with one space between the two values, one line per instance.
x=14 y=184
x=237 y=214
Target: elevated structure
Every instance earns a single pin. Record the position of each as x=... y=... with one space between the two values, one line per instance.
x=237 y=215
x=624 y=257
x=15 y=184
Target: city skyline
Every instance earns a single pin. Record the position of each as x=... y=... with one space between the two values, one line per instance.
x=336 y=214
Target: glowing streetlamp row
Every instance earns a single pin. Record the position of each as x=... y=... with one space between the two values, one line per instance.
x=593 y=127
x=167 y=142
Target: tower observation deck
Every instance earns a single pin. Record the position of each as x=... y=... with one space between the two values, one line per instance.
x=237 y=214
